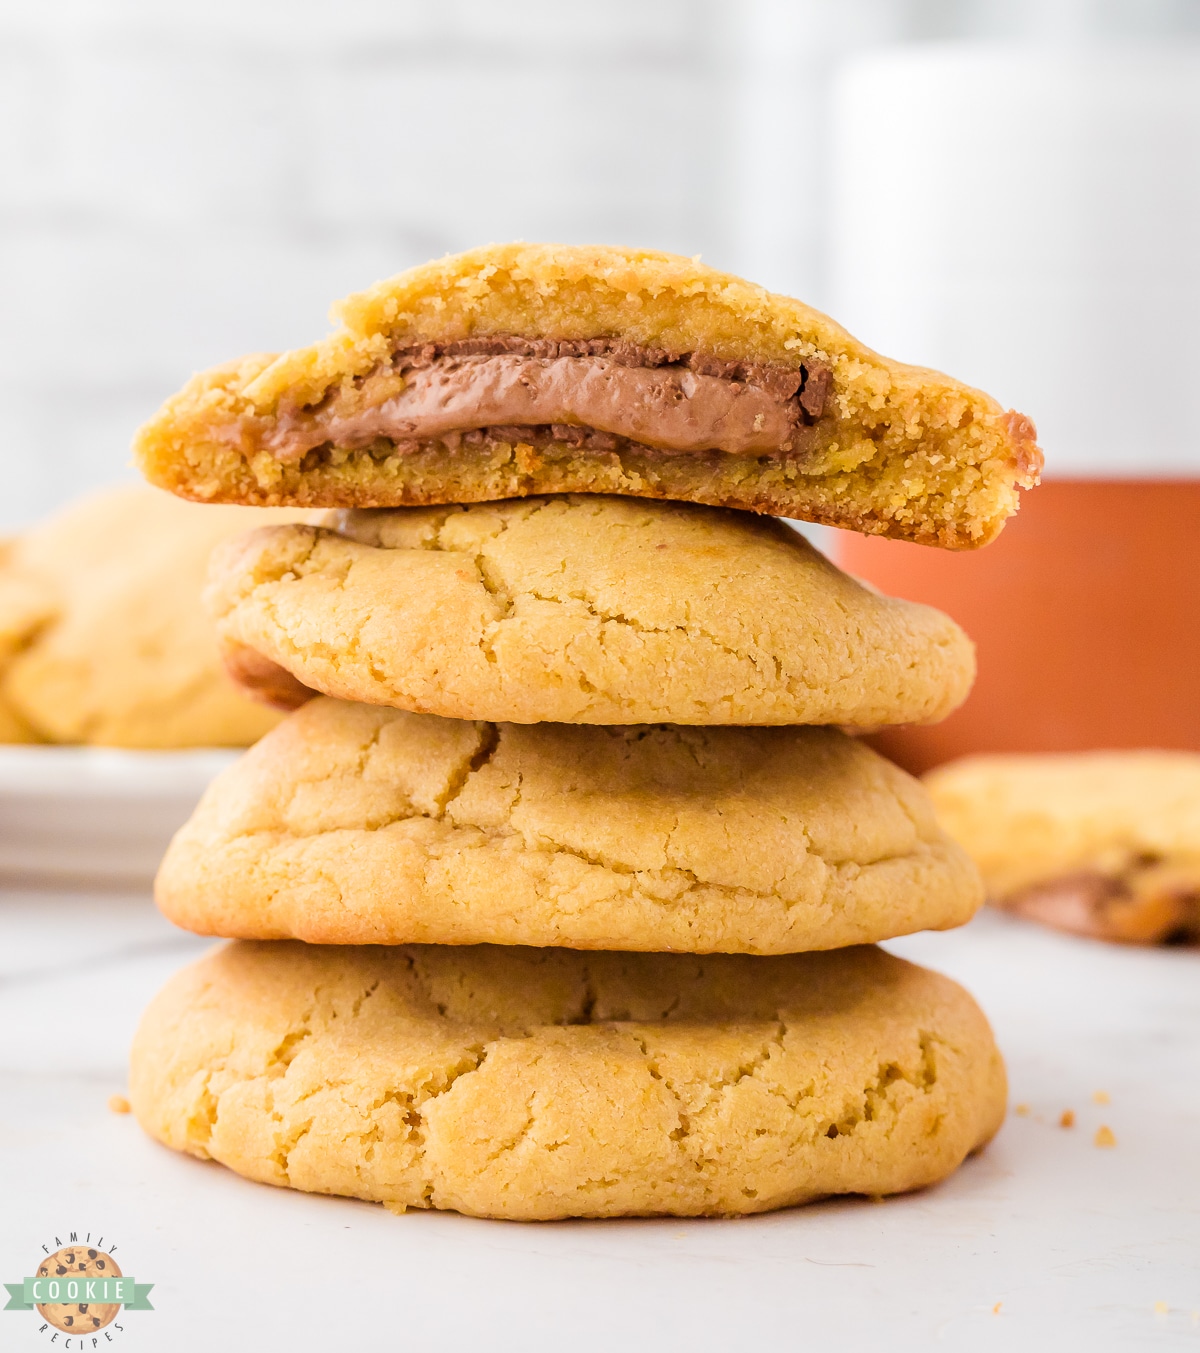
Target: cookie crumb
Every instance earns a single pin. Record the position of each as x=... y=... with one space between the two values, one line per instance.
x=1104 y=1136
x=996 y=1308
x=118 y=1104
x=1161 y=1308
x=1022 y=1110
x=1101 y=1097
x=1067 y=1118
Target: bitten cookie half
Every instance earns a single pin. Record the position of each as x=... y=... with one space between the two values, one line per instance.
x=358 y=824
x=103 y=636
x=1105 y=844
x=542 y=1083
x=529 y=368
x=580 y=609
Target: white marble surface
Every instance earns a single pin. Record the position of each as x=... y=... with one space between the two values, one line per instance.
x=1043 y=1242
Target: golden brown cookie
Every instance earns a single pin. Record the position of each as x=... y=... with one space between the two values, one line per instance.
x=529 y=368
x=542 y=1083
x=103 y=638
x=13 y=728
x=1098 y=843
x=358 y=824
x=582 y=609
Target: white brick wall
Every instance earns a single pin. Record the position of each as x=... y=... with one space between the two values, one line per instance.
x=789 y=50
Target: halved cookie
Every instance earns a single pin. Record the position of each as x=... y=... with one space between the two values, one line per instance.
x=581 y=609
x=522 y=368
x=357 y=824
x=541 y=1083
x=1105 y=844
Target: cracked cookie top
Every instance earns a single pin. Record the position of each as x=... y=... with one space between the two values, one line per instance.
x=579 y=609
x=539 y=1083
x=362 y=824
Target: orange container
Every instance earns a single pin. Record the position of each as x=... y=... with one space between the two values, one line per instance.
x=1085 y=613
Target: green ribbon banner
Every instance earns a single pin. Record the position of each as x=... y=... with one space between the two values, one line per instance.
x=31 y=1292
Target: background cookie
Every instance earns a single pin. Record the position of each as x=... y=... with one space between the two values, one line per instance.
x=102 y=635
x=585 y=610
x=362 y=824
x=1098 y=843
x=529 y=1083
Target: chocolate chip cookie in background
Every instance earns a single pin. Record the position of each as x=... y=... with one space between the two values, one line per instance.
x=522 y=369
x=103 y=638
x=79 y=1261
x=1103 y=844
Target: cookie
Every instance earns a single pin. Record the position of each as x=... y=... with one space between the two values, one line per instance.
x=525 y=369
x=13 y=727
x=103 y=638
x=581 y=609
x=1105 y=844
x=358 y=824
x=543 y=1083
x=78 y=1262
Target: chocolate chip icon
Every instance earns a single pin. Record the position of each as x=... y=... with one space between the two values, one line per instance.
x=71 y=1265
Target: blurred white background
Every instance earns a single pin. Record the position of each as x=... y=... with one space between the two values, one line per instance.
x=182 y=183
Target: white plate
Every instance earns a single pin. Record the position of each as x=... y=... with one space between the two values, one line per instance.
x=99 y=815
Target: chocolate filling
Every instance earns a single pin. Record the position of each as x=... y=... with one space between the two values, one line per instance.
x=1088 y=902
x=593 y=393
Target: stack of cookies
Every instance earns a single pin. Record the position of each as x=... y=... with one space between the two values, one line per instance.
x=556 y=894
